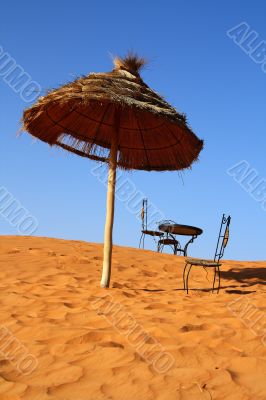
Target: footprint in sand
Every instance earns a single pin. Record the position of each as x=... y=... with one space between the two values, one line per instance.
x=154 y=306
x=88 y=338
x=69 y=305
x=159 y=320
x=120 y=269
x=13 y=251
x=84 y=260
x=148 y=273
x=110 y=344
x=117 y=285
x=126 y=294
x=51 y=253
x=191 y=327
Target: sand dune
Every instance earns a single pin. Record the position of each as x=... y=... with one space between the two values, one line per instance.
x=142 y=339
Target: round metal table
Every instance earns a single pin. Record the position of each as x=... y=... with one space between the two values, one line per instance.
x=183 y=230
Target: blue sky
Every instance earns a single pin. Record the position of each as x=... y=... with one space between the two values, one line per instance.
x=193 y=63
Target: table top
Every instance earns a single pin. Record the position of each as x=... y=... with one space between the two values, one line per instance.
x=178 y=229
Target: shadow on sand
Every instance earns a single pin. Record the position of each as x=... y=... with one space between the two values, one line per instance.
x=246 y=276
x=243 y=277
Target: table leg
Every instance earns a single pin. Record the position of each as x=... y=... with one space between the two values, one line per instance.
x=188 y=243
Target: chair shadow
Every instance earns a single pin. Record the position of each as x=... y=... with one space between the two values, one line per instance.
x=243 y=277
x=203 y=289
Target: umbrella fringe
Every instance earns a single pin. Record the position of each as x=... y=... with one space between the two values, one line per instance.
x=126 y=160
x=79 y=117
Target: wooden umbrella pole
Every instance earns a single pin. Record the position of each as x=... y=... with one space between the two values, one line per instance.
x=110 y=204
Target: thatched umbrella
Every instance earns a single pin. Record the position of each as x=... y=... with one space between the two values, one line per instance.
x=114 y=117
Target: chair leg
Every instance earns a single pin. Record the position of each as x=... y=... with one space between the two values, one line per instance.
x=141 y=238
x=219 y=280
x=188 y=276
x=173 y=248
x=184 y=274
x=214 y=280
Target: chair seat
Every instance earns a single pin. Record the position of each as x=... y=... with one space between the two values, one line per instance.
x=202 y=262
x=168 y=241
x=152 y=233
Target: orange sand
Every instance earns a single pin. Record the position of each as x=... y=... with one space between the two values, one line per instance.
x=49 y=293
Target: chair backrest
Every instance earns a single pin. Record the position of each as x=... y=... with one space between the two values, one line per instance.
x=166 y=222
x=223 y=237
x=144 y=214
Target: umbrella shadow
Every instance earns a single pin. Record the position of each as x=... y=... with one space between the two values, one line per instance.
x=246 y=276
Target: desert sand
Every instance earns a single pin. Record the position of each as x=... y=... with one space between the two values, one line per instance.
x=143 y=338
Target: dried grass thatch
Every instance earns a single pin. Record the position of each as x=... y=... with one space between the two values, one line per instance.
x=82 y=116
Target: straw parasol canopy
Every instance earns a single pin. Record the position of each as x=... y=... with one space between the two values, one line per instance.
x=114 y=117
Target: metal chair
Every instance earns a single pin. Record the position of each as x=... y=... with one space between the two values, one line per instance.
x=144 y=224
x=215 y=263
